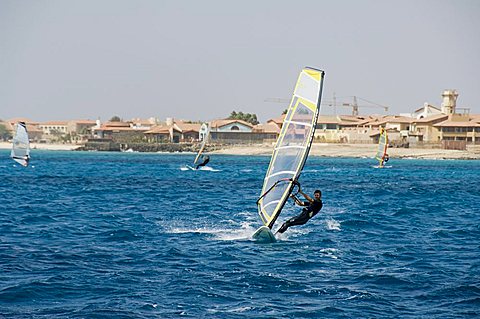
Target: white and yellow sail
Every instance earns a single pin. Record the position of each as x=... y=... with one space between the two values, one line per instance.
x=293 y=145
x=382 y=147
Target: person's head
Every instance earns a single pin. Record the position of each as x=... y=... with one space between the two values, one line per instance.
x=317 y=194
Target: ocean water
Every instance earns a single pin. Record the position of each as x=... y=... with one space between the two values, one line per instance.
x=112 y=235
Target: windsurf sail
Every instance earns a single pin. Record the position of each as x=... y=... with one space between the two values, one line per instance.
x=202 y=146
x=21 y=145
x=382 y=146
x=292 y=146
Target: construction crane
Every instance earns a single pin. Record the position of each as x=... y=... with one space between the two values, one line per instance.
x=354 y=105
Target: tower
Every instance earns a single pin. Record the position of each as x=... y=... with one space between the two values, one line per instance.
x=449 y=101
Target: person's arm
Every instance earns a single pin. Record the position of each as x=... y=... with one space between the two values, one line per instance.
x=306 y=196
x=297 y=201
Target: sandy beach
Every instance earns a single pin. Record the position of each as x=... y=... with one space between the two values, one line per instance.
x=43 y=146
x=318 y=149
x=360 y=150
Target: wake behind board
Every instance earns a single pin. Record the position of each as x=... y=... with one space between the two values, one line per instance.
x=201 y=168
x=264 y=235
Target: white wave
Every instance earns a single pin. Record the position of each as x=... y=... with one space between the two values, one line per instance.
x=221 y=233
x=330 y=252
x=310 y=171
x=386 y=166
x=200 y=230
x=208 y=168
x=201 y=168
x=332 y=224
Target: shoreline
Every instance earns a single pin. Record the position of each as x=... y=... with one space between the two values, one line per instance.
x=44 y=146
x=318 y=149
x=360 y=151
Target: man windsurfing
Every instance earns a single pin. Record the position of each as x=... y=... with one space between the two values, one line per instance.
x=206 y=159
x=311 y=208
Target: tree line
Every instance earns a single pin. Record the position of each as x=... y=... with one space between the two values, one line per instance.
x=247 y=117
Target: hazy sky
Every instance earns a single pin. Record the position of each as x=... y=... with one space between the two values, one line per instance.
x=201 y=60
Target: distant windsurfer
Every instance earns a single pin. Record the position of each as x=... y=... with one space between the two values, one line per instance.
x=206 y=159
x=386 y=158
x=311 y=208
x=27 y=160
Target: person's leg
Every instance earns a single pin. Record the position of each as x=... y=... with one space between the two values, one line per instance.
x=295 y=221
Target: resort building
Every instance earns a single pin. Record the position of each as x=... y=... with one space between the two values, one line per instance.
x=174 y=131
x=80 y=130
x=163 y=134
x=34 y=132
x=233 y=131
x=122 y=132
x=53 y=129
x=190 y=132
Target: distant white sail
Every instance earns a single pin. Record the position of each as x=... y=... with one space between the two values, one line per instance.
x=293 y=145
x=202 y=146
x=21 y=145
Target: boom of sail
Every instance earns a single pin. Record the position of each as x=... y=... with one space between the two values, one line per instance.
x=292 y=146
x=205 y=138
x=21 y=145
x=382 y=146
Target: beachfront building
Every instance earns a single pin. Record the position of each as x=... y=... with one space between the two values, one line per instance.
x=189 y=132
x=121 y=132
x=427 y=110
x=268 y=132
x=144 y=123
x=230 y=131
x=163 y=134
x=79 y=131
x=34 y=132
x=460 y=127
x=173 y=131
x=423 y=130
x=449 y=125
x=76 y=131
x=278 y=121
x=233 y=131
x=6 y=131
x=52 y=130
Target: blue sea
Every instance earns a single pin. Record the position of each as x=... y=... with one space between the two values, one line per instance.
x=132 y=235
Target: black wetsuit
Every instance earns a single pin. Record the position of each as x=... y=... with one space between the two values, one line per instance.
x=206 y=159
x=308 y=212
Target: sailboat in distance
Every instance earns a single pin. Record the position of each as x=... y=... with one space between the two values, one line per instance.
x=204 y=135
x=382 y=156
x=205 y=138
x=21 y=145
x=291 y=150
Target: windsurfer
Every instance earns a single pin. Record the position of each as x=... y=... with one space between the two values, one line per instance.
x=311 y=208
x=27 y=160
x=206 y=159
x=384 y=160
